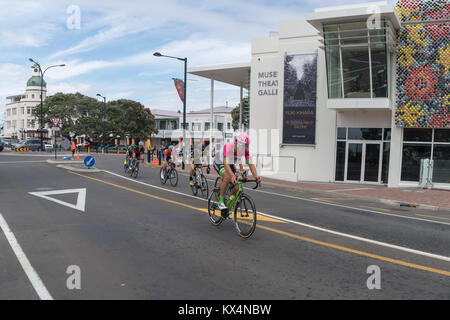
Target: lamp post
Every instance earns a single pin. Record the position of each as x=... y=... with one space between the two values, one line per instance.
x=157 y=54
x=42 y=84
x=104 y=117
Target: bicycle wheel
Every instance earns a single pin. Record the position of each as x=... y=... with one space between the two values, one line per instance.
x=204 y=186
x=244 y=216
x=162 y=176
x=194 y=187
x=135 y=172
x=173 y=177
x=213 y=210
x=217 y=183
x=131 y=170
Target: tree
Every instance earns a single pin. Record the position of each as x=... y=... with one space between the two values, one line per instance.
x=235 y=114
x=130 y=118
x=81 y=114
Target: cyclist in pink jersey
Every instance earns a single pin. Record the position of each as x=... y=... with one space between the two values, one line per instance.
x=224 y=164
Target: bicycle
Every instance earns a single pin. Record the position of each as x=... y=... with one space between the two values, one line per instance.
x=169 y=174
x=133 y=169
x=244 y=216
x=200 y=181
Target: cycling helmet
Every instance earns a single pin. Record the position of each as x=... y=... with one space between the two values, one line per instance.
x=242 y=138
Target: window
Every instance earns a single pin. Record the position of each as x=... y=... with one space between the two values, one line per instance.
x=355 y=72
x=28 y=123
x=196 y=126
x=32 y=96
x=342 y=133
x=207 y=126
x=14 y=111
x=357 y=59
x=8 y=112
x=426 y=144
x=412 y=154
x=364 y=134
x=340 y=161
x=162 y=125
x=28 y=110
x=229 y=125
x=417 y=135
x=220 y=126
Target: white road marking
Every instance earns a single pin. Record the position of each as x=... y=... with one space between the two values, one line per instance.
x=81 y=199
x=379 y=243
x=353 y=208
x=32 y=275
x=21 y=162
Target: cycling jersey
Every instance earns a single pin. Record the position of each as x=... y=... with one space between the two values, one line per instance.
x=167 y=154
x=232 y=154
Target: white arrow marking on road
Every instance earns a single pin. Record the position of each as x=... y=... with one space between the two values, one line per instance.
x=81 y=200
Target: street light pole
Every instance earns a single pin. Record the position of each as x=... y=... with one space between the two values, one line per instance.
x=157 y=54
x=42 y=85
x=104 y=117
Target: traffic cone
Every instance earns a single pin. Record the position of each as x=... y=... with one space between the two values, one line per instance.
x=89 y=151
x=103 y=153
x=78 y=155
x=118 y=152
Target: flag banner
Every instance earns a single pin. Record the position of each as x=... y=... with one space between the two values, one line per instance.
x=299 y=106
x=179 y=85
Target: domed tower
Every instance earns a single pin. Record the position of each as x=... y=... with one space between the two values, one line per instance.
x=34 y=85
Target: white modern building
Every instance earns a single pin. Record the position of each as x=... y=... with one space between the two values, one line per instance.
x=326 y=104
x=169 y=124
x=19 y=121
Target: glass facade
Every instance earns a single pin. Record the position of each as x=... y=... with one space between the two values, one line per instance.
x=357 y=60
x=421 y=144
x=362 y=154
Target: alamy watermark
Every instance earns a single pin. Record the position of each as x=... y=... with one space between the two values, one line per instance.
x=374 y=280
x=74 y=20
x=73 y=282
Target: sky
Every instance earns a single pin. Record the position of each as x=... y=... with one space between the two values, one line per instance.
x=108 y=46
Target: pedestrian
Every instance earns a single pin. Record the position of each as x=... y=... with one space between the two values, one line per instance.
x=73 y=148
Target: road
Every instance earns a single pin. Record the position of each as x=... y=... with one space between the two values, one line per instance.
x=137 y=239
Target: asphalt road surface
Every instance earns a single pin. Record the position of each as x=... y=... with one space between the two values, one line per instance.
x=112 y=237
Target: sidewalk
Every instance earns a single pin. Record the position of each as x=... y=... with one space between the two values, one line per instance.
x=411 y=197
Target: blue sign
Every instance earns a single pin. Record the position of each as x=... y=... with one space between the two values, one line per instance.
x=89 y=161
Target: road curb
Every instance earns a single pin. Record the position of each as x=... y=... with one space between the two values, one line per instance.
x=92 y=170
x=63 y=161
x=393 y=203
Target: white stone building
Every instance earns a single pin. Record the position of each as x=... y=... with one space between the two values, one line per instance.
x=19 y=121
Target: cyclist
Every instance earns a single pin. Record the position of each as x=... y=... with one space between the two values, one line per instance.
x=129 y=155
x=138 y=151
x=168 y=153
x=195 y=162
x=224 y=164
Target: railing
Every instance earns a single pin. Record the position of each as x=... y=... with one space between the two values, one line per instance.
x=260 y=162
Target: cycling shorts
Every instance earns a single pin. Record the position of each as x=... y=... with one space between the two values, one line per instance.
x=220 y=168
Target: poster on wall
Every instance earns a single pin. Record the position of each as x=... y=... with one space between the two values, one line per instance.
x=299 y=105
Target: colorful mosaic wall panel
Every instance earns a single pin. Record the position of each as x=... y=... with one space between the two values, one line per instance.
x=423 y=67
x=423 y=10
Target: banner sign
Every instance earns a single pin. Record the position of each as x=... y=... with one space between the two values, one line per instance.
x=179 y=85
x=299 y=105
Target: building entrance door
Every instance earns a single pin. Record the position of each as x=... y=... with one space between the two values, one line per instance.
x=363 y=162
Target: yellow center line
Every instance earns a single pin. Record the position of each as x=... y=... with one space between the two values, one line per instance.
x=261 y=218
x=424 y=215
x=361 y=253
x=288 y=234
